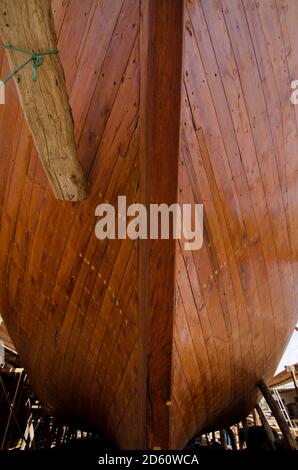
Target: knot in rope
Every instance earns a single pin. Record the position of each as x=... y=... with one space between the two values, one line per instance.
x=35 y=57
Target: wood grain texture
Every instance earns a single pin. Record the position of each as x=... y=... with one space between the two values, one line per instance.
x=288 y=435
x=143 y=341
x=162 y=28
x=70 y=300
x=29 y=25
x=236 y=302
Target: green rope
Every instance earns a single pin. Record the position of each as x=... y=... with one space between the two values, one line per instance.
x=35 y=57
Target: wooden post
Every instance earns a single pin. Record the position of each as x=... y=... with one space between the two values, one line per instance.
x=237 y=437
x=29 y=25
x=267 y=428
x=291 y=369
x=283 y=425
x=245 y=431
x=12 y=408
x=223 y=438
x=256 y=417
x=231 y=435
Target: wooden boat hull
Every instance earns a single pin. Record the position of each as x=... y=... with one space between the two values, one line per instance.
x=146 y=342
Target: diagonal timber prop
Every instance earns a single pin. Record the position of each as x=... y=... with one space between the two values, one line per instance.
x=29 y=26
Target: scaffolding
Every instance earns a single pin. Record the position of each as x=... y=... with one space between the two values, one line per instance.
x=25 y=423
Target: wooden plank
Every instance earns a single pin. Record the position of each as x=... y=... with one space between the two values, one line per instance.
x=223 y=438
x=30 y=26
x=292 y=371
x=77 y=257
x=267 y=428
x=161 y=32
x=288 y=437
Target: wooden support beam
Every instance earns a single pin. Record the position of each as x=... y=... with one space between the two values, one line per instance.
x=256 y=418
x=267 y=428
x=245 y=432
x=232 y=438
x=15 y=396
x=161 y=77
x=11 y=410
x=29 y=25
x=223 y=438
x=292 y=370
x=288 y=437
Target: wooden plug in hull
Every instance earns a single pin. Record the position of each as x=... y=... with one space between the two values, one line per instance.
x=142 y=340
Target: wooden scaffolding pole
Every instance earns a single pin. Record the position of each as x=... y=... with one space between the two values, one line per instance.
x=292 y=370
x=267 y=428
x=288 y=437
x=223 y=438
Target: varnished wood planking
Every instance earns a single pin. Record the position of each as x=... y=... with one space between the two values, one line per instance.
x=238 y=145
x=59 y=8
x=244 y=144
x=109 y=259
x=100 y=31
x=42 y=267
x=234 y=212
x=73 y=33
x=74 y=235
x=283 y=126
x=109 y=73
x=78 y=309
x=262 y=137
